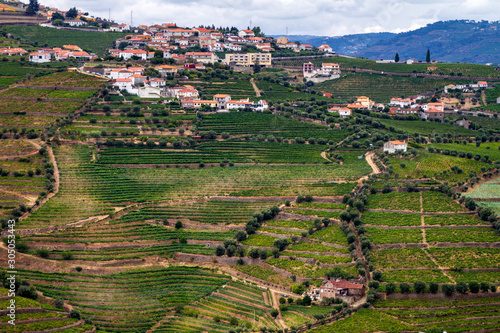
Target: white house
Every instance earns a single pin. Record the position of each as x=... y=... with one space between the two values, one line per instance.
x=246 y=33
x=343 y=112
x=330 y=68
x=125 y=84
x=123 y=27
x=325 y=48
x=233 y=47
x=394 y=146
x=141 y=54
x=158 y=83
x=245 y=103
x=120 y=73
x=498 y=100
x=75 y=22
x=137 y=79
x=402 y=102
x=41 y=56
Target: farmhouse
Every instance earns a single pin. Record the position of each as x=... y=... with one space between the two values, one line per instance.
x=366 y=102
x=325 y=48
x=75 y=23
x=41 y=56
x=246 y=104
x=343 y=112
x=12 y=51
x=394 y=146
x=403 y=102
x=165 y=70
x=222 y=100
x=344 y=290
x=246 y=33
x=198 y=103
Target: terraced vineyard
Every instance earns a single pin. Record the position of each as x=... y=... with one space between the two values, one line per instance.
x=441 y=223
x=35 y=316
x=146 y=217
x=216 y=152
x=381 y=88
x=452 y=315
x=242 y=123
x=235 y=305
x=132 y=301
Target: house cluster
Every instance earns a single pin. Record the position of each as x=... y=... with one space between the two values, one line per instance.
x=466 y=88
x=411 y=105
x=16 y=51
x=333 y=289
x=67 y=52
x=327 y=70
x=361 y=103
x=133 y=81
x=224 y=103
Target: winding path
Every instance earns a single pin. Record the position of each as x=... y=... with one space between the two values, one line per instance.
x=257 y=90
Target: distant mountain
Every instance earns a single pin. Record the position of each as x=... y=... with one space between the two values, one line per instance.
x=346 y=45
x=449 y=41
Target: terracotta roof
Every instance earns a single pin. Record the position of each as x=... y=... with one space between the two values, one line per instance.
x=346 y=285
x=397 y=142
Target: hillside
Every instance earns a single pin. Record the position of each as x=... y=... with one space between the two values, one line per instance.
x=450 y=41
x=348 y=44
x=88 y=40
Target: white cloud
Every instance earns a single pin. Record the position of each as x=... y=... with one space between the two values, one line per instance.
x=318 y=17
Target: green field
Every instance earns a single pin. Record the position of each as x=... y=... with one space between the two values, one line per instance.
x=473 y=70
x=381 y=88
x=87 y=40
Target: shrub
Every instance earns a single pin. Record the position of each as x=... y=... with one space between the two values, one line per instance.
x=419 y=287
x=75 y=314
x=67 y=255
x=377 y=275
x=43 y=253
x=474 y=287
x=59 y=303
x=433 y=287
x=448 y=289
x=404 y=288
x=390 y=288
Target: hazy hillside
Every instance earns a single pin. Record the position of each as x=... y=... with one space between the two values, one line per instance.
x=450 y=41
x=348 y=44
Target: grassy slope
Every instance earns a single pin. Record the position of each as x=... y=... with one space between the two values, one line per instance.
x=472 y=70
x=87 y=40
x=381 y=88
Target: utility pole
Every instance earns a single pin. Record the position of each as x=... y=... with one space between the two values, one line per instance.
x=109 y=14
x=131 y=21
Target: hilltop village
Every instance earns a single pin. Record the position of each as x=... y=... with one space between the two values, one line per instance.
x=166 y=178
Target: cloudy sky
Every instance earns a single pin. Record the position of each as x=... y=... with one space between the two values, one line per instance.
x=314 y=17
